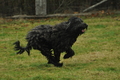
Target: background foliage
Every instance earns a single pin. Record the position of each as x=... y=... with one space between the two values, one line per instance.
x=17 y=7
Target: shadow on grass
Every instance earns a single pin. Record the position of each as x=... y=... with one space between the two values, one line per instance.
x=41 y=65
x=65 y=65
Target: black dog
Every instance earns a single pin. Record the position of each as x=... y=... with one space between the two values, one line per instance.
x=53 y=40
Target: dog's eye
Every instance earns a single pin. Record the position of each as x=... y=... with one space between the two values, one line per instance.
x=81 y=20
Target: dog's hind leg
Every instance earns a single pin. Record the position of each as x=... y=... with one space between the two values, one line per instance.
x=69 y=53
x=51 y=59
x=47 y=53
x=57 y=55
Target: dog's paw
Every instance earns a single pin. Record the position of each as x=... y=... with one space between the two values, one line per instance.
x=58 y=64
x=68 y=56
x=49 y=62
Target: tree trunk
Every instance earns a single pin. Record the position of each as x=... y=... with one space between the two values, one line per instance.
x=40 y=7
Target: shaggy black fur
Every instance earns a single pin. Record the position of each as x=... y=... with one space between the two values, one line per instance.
x=56 y=39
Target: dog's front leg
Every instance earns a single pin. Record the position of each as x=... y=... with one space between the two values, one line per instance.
x=69 y=53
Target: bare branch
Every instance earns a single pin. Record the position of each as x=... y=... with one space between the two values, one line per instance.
x=94 y=5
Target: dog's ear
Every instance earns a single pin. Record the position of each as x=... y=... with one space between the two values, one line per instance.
x=68 y=25
x=71 y=21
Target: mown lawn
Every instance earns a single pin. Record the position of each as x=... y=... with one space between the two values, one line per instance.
x=97 y=52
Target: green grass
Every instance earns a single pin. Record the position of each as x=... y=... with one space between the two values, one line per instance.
x=97 y=52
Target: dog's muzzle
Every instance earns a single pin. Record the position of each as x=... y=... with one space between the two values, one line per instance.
x=85 y=28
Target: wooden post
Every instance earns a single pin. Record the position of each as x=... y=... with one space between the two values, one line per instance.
x=40 y=7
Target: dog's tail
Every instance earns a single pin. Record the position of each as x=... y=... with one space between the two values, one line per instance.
x=21 y=49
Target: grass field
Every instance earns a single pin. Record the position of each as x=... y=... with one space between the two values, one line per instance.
x=97 y=52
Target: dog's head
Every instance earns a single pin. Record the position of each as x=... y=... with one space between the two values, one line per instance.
x=76 y=25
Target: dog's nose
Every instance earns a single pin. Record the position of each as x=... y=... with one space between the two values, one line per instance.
x=86 y=26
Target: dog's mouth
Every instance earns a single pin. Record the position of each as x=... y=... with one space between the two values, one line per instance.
x=84 y=30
